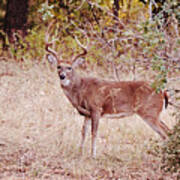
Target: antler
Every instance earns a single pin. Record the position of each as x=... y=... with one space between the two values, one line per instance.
x=84 y=47
x=52 y=56
x=54 y=53
x=51 y=51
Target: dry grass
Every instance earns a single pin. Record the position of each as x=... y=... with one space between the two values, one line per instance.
x=40 y=134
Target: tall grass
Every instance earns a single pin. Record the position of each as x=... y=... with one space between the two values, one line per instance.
x=40 y=134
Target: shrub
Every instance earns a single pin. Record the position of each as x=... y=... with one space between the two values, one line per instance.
x=171 y=151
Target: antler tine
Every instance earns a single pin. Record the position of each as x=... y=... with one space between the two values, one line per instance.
x=80 y=55
x=51 y=51
x=85 y=48
x=48 y=44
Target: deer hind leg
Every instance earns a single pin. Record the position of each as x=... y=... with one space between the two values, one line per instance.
x=156 y=124
x=164 y=127
x=84 y=132
x=149 y=109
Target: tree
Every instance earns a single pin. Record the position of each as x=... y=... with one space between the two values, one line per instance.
x=15 y=20
x=116 y=8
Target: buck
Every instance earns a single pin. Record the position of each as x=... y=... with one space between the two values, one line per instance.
x=94 y=98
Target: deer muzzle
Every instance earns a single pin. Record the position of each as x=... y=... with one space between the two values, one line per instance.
x=62 y=76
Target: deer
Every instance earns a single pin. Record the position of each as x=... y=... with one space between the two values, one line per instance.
x=95 y=98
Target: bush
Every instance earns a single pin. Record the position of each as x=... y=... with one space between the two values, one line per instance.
x=171 y=151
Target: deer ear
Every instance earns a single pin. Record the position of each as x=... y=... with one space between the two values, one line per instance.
x=51 y=59
x=78 y=62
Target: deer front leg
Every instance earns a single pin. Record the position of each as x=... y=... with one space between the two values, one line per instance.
x=84 y=132
x=94 y=128
x=80 y=109
x=83 y=111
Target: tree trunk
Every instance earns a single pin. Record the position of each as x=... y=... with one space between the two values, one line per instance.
x=15 y=20
x=116 y=8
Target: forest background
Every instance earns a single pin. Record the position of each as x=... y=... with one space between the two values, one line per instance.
x=125 y=40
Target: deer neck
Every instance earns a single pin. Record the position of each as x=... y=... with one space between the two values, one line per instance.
x=72 y=91
x=74 y=85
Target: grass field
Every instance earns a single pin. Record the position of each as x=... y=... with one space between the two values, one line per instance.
x=40 y=134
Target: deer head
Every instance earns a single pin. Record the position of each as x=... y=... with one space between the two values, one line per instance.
x=66 y=70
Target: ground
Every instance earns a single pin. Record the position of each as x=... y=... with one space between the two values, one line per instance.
x=40 y=133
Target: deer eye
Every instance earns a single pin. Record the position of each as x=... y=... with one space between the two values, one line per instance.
x=69 y=68
x=59 y=67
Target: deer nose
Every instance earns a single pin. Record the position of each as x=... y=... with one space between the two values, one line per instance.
x=62 y=76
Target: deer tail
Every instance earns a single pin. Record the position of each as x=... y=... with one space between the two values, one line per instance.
x=166 y=99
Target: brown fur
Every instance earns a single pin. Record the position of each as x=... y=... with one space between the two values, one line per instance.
x=94 y=98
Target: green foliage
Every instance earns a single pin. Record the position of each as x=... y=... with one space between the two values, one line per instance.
x=138 y=40
x=171 y=151
x=160 y=81
x=32 y=47
x=171 y=7
x=46 y=11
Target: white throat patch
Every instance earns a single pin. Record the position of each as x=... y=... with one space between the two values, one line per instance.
x=65 y=82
